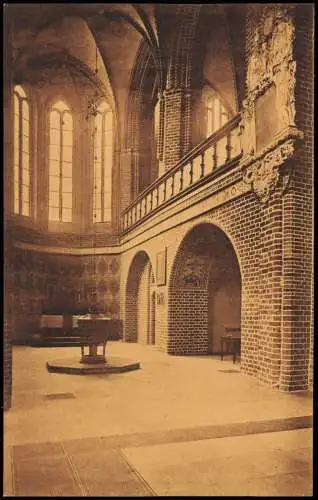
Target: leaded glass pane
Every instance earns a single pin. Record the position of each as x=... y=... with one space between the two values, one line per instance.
x=67 y=185
x=54 y=183
x=55 y=120
x=67 y=122
x=54 y=213
x=67 y=200
x=66 y=215
x=67 y=154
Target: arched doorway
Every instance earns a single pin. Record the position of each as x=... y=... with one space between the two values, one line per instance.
x=140 y=301
x=152 y=318
x=204 y=292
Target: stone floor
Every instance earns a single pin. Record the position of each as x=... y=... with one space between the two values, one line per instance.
x=178 y=426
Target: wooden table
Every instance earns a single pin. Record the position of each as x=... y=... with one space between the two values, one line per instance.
x=231 y=340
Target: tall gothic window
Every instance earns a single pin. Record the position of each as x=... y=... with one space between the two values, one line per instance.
x=103 y=154
x=216 y=114
x=60 y=163
x=156 y=126
x=21 y=157
x=161 y=167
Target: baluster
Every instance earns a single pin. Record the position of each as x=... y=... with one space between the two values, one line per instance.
x=157 y=196
x=140 y=207
x=164 y=190
x=215 y=156
x=191 y=172
x=172 y=185
x=228 y=147
x=181 y=179
x=151 y=201
x=202 y=165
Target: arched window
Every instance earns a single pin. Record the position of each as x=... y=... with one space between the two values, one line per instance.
x=60 y=163
x=103 y=155
x=161 y=167
x=156 y=126
x=215 y=112
x=21 y=157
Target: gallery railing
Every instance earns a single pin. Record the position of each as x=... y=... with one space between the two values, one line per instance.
x=220 y=149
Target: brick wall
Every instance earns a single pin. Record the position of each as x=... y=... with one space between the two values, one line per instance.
x=172 y=127
x=297 y=329
x=7 y=358
x=188 y=321
x=256 y=235
x=204 y=266
x=152 y=308
x=137 y=289
x=178 y=92
x=143 y=305
x=270 y=290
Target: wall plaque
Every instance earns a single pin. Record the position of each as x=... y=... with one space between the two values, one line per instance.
x=266 y=118
x=161 y=267
x=161 y=299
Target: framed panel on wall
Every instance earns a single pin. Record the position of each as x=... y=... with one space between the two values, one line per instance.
x=161 y=267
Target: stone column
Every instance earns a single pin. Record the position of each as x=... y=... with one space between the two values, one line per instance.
x=127 y=181
x=279 y=169
x=177 y=125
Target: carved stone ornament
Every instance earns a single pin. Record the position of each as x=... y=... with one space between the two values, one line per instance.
x=247 y=128
x=271 y=62
x=263 y=174
x=193 y=270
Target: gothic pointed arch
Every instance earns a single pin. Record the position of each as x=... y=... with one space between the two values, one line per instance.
x=140 y=124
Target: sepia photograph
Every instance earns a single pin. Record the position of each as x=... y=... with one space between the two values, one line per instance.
x=158 y=249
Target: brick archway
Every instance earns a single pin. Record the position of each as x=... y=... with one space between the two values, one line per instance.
x=139 y=315
x=204 y=291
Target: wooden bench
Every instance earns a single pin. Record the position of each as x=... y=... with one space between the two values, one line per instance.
x=231 y=341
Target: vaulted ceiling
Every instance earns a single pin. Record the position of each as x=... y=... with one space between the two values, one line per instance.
x=51 y=31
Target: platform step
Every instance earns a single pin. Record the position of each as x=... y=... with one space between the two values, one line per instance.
x=55 y=342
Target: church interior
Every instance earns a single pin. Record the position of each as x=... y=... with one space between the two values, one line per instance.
x=158 y=198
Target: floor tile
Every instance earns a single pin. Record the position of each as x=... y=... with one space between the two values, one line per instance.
x=45 y=476
x=179 y=424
